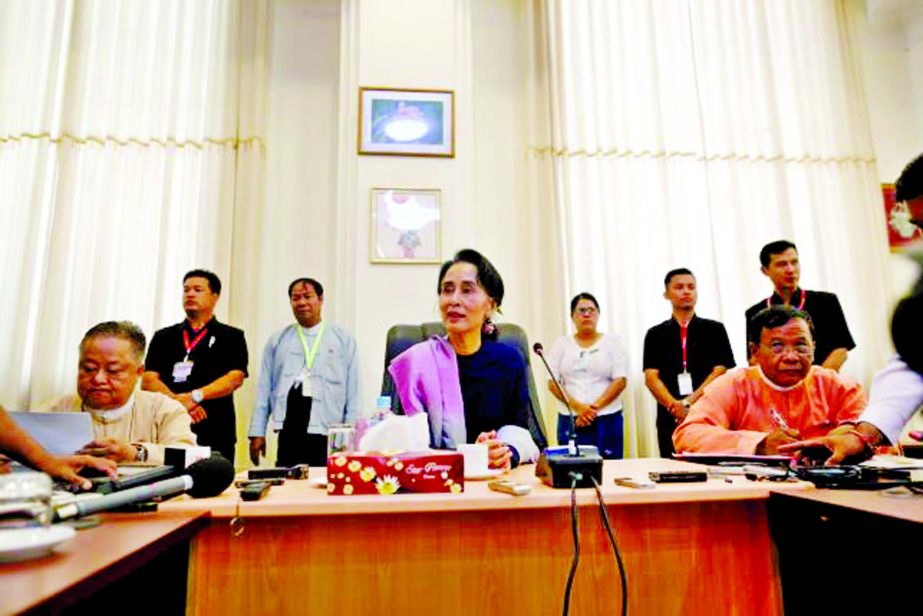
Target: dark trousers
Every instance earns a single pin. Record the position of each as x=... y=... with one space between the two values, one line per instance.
x=296 y=445
x=205 y=436
x=606 y=433
x=226 y=449
x=666 y=425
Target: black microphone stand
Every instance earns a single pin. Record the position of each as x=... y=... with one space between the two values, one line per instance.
x=562 y=470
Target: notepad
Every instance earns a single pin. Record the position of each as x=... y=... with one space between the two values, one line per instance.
x=59 y=433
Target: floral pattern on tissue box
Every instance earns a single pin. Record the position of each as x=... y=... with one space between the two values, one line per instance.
x=395 y=472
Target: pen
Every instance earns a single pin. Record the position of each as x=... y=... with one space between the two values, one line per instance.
x=780 y=421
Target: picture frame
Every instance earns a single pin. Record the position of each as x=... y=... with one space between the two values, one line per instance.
x=406 y=225
x=399 y=122
x=901 y=232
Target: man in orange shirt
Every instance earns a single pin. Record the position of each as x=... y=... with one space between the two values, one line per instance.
x=781 y=399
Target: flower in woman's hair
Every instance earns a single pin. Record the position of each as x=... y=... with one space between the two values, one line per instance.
x=489 y=328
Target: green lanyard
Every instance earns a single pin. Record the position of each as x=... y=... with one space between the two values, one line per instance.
x=310 y=355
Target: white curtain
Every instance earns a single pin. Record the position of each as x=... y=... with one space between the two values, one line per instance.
x=130 y=142
x=690 y=133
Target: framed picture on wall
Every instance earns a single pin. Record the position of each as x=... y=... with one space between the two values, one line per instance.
x=406 y=122
x=901 y=232
x=406 y=225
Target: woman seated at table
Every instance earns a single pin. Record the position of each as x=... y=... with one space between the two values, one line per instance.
x=592 y=367
x=474 y=388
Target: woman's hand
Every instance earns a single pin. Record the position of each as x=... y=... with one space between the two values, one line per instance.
x=586 y=414
x=499 y=455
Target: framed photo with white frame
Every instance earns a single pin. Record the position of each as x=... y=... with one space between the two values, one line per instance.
x=406 y=225
x=406 y=122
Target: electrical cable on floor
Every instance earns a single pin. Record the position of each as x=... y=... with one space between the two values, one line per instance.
x=615 y=548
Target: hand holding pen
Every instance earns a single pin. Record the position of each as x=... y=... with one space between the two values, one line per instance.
x=782 y=435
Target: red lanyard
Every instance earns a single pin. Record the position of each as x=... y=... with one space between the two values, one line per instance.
x=800 y=304
x=683 y=337
x=195 y=342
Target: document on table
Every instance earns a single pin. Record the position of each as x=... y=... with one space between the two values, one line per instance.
x=892 y=461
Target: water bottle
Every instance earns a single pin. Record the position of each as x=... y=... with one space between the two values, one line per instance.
x=367 y=420
x=382 y=408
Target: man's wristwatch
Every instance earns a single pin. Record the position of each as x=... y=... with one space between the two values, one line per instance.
x=197 y=396
x=140 y=452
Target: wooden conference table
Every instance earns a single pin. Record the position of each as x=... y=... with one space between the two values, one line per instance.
x=133 y=563
x=693 y=549
x=848 y=551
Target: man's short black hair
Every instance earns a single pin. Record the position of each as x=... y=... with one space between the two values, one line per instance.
x=910 y=184
x=775 y=248
x=318 y=287
x=773 y=317
x=584 y=295
x=126 y=330
x=214 y=283
x=679 y=271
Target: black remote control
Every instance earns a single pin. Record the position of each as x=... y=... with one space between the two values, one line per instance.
x=255 y=491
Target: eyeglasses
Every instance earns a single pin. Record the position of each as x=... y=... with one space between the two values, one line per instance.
x=778 y=348
x=586 y=311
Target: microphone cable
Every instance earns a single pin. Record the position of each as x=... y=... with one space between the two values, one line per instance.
x=615 y=548
x=574 y=477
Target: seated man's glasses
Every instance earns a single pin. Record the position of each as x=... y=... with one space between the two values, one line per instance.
x=781 y=349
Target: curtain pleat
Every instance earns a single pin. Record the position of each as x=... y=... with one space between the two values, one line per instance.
x=130 y=138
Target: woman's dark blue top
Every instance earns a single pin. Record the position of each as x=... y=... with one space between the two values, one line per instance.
x=494 y=387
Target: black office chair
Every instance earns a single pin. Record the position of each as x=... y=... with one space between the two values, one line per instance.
x=402 y=337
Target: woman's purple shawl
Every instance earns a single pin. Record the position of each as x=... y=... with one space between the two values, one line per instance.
x=426 y=379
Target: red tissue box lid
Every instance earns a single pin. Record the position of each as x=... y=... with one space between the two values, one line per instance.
x=372 y=472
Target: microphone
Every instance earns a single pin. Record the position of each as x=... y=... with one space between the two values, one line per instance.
x=205 y=478
x=562 y=467
x=572 y=446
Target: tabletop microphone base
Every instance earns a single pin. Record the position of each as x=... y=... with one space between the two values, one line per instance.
x=556 y=466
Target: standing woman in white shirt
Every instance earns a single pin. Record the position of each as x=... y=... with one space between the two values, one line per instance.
x=592 y=367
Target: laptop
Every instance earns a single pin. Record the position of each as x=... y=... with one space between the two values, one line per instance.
x=64 y=433
x=59 y=433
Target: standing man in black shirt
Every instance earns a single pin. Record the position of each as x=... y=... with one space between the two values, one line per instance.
x=832 y=340
x=681 y=356
x=200 y=363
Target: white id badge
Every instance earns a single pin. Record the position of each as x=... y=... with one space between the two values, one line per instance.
x=306 y=390
x=685 y=383
x=181 y=371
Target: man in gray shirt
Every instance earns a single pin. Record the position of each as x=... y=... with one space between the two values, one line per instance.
x=308 y=381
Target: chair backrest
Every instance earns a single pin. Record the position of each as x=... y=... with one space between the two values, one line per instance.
x=402 y=337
